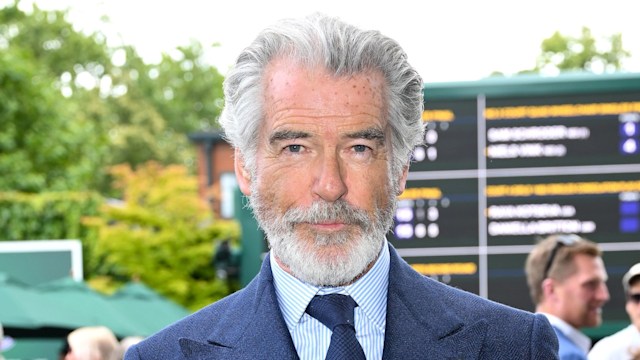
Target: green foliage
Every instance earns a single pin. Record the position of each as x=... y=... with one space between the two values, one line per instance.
x=184 y=89
x=53 y=215
x=72 y=106
x=138 y=133
x=41 y=148
x=45 y=143
x=49 y=216
x=581 y=53
x=154 y=106
x=162 y=234
x=52 y=40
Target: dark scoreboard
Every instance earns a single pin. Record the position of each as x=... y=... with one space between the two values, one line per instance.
x=507 y=161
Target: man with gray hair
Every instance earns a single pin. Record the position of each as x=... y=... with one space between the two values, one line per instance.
x=324 y=117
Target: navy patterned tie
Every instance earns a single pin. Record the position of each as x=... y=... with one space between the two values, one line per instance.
x=336 y=312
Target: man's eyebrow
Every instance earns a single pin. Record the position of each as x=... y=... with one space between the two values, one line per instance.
x=287 y=135
x=368 y=134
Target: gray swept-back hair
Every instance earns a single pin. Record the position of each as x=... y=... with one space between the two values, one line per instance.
x=344 y=50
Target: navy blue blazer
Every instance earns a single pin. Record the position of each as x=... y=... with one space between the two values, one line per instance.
x=425 y=320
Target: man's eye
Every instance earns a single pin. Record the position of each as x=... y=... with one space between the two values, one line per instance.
x=360 y=148
x=294 y=148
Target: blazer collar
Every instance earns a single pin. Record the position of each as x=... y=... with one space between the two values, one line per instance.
x=261 y=333
x=258 y=331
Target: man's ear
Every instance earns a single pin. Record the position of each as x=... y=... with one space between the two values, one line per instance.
x=242 y=174
x=548 y=288
x=402 y=182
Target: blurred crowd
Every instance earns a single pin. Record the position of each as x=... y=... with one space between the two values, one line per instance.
x=85 y=343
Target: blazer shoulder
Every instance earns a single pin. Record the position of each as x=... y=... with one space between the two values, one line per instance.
x=424 y=292
x=199 y=326
x=472 y=307
x=445 y=309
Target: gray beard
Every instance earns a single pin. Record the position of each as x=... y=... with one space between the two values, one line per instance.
x=314 y=258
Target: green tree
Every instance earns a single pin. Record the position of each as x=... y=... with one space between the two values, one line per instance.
x=70 y=106
x=47 y=142
x=116 y=108
x=139 y=133
x=566 y=53
x=185 y=89
x=76 y=58
x=156 y=105
x=561 y=53
x=162 y=234
x=44 y=145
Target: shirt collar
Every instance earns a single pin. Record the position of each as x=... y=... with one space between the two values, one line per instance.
x=369 y=292
x=581 y=340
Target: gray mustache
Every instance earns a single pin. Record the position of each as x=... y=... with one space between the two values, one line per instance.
x=322 y=211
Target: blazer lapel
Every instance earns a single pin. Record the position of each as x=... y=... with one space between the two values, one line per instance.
x=256 y=331
x=419 y=325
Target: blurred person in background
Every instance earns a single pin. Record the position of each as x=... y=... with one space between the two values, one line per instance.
x=567 y=283
x=6 y=342
x=626 y=342
x=128 y=342
x=64 y=350
x=93 y=343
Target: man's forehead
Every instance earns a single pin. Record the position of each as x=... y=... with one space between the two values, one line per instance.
x=634 y=282
x=296 y=98
x=283 y=73
x=590 y=266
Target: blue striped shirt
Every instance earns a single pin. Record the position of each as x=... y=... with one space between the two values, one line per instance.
x=310 y=337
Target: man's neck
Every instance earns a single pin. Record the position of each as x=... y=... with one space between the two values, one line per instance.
x=545 y=309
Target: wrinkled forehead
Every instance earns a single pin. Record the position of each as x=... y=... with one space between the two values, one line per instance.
x=289 y=84
x=282 y=66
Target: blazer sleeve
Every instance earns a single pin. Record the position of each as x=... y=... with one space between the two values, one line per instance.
x=544 y=342
x=132 y=354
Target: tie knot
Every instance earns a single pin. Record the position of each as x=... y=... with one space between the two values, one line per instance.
x=332 y=310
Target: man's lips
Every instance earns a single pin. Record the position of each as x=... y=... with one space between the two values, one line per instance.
x=327 y=226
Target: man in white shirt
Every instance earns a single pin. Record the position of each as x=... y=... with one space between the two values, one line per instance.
x=567 y=282
x=625 y=343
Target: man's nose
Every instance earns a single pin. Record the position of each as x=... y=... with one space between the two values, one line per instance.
x=603 y=292
x=329 y=184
